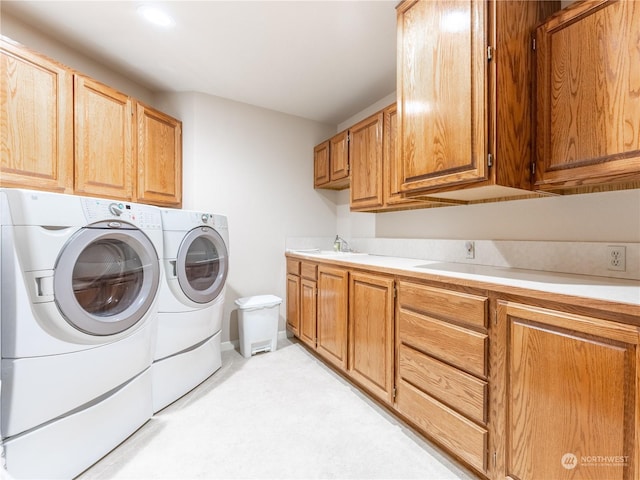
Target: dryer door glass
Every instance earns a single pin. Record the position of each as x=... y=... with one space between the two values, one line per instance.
x=106 y=279
x=202 y=264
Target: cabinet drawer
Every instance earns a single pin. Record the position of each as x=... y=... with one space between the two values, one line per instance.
x=293 y=266
x=459 y=390
x=458 y=346
x=460 y=435
x=309 y=270
x=445 y=304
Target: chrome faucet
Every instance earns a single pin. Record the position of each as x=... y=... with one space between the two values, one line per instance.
x=340 y=244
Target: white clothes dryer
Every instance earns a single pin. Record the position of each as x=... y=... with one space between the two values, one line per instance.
x=80 y=280
x=196 y=262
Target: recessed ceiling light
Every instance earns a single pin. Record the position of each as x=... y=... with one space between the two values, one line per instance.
x=155 y=16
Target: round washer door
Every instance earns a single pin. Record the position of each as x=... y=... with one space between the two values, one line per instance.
x=202 y=264
x=106 y=278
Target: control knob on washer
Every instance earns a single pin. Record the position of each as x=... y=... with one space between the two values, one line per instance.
x=116 y=209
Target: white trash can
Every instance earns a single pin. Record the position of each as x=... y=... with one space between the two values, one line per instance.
x=258 y=323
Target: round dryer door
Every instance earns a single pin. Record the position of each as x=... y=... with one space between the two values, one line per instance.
x=202 y=264
x=106 y=278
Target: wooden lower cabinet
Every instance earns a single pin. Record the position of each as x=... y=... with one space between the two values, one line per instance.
x=320 y=293
x=293 y=304
x=442 y=347
x=331 y=340
x=571 y=387
x=308 y=311
x=293 y=296
x=371 y=345
x=514 y=391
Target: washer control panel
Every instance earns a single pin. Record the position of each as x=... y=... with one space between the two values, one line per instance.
x=143 y=216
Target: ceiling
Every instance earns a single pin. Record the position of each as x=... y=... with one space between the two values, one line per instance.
x=321 y=60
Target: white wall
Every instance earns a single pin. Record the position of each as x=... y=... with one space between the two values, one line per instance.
x=255 y=166
x=595 y=217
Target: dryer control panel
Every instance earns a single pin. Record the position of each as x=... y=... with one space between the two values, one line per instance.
x=143 y=216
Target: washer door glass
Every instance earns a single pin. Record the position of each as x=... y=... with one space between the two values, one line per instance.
x=106 y=279
x=202 y=264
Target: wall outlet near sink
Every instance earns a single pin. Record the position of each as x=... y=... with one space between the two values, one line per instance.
x=470 y=249
x=617 y=258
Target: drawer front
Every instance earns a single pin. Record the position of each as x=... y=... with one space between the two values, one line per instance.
x=460 y=435
x=293 y=266
x=309 y=270
x=466 y=349
x=461 y=391
x=444 y=304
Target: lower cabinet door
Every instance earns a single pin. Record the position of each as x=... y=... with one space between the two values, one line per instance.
x=371 y=314
x=571 y=391
x=308 y=290
x=293 y=304
x=332 y=315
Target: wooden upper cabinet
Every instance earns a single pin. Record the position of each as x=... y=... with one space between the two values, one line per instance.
x=392 y=180
x=65 y=132
x=321 y=173
x=36 y=133
x=103 y=140
x=571 y=394
x=366 y=158
x=588 y=106
x=464 y=94
x=375 y=181
x=339 y=155
x=159 y=158
x=331 y=163
x=442 y=85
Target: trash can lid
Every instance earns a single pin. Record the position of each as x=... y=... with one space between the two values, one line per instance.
x=258 y=301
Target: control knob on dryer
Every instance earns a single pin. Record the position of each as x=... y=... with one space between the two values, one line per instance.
x=116 y=209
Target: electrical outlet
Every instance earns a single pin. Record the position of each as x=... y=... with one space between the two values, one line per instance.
x=616 y=258
x=470 y=248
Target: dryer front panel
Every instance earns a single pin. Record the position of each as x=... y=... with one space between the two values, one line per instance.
x=202 y=265
x=106 y=278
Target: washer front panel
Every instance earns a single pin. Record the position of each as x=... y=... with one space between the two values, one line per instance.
x=106 y=278
x=202 y=264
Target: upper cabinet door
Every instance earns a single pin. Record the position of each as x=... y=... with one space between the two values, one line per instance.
x=365 y=156
x=588 y=95
x=321 y=175
x=339 y=154
x=37 y=121
x=103 y=140
x=442 y=78
x=159 y=157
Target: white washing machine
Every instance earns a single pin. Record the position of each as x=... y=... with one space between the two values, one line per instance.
x=196 y=262
x=80 y=279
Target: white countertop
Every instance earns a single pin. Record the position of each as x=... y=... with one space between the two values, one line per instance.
x=602 y=288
